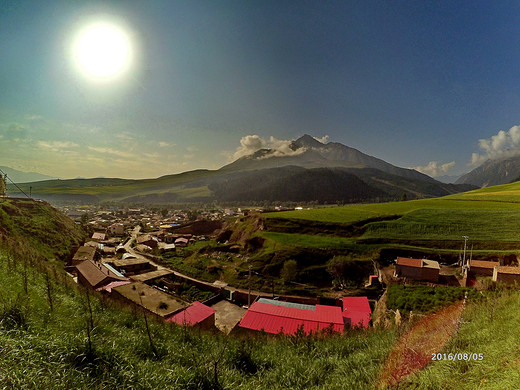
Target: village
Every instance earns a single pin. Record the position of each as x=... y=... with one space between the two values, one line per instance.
x=122 y=260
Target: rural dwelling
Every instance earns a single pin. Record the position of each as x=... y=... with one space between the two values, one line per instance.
x=197 y=314
x=98 y=236
x=147 y=239
x=149 y=277
x=116 y=229
x=181 y=242
x=157 y=302
x=95 y=275
x=484 y=268
x=356 y=312
x=82 y=254
x=131 y=266
x=276 y=317
x=508 y=275
x=417 y=269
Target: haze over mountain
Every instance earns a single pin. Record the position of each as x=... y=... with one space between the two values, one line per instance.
x=24 y=177
x=493 y=172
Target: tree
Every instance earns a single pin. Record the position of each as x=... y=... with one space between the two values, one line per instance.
x=289 y=271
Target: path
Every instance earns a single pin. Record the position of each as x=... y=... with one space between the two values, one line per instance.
x=414 y=350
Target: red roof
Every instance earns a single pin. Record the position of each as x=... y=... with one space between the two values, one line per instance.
x=409 y=262
x=192 y=315
x=280 y=319
x=356 y=311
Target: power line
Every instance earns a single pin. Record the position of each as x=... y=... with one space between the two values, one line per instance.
x=16 y=185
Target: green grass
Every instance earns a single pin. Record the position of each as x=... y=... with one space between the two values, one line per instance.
x=489 y=327
x=310 y=241
x=425 y=299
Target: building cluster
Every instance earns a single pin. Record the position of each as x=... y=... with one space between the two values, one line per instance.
x=137 y=281
x=424 y=270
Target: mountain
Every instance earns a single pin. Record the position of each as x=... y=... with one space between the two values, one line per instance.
x=493 y=172
x=306 y=170
x=24 y=177
x=307 y=152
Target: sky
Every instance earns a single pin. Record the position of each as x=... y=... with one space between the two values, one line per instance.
x=431 y=85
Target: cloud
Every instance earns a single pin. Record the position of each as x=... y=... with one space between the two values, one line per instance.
x=323 y=139
x=56 y=146
x=111 y=151
x=502 y=144
x=163 y=144
x=433 y=168
x=248 y=145
x=252 y=143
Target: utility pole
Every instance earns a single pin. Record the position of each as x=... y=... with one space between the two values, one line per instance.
x=464 y=257
x=249 y=290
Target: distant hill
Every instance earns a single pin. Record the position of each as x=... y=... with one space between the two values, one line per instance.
x=24 y=177
x=493 y=172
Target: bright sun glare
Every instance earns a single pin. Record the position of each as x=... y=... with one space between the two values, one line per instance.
x=102 y=51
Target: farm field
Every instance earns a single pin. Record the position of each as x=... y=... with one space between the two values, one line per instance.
x=490 y=217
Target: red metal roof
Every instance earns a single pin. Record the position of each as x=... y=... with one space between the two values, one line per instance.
x=279 y=319
x=356 y=311
x=192 y=315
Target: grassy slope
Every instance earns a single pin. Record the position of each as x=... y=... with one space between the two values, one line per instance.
x=490 y=218
x=44 y=348
x=491 y=328
x=117 y=189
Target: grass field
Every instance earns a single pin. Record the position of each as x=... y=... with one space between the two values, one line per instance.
x=490 y=217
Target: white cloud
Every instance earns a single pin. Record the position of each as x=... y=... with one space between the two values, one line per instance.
x=502 y=144
x=163 y=144
x=252 y=143
x=323 y=139
x=248 y=145
x=433 y=168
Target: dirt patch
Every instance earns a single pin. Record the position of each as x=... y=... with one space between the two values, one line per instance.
x=414 y=350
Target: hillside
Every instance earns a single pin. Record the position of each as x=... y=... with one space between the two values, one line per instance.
x=38 y=228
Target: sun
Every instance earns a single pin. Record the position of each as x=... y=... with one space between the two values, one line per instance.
x=102 y=51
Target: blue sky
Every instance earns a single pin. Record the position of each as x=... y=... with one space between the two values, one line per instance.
x=416 y=83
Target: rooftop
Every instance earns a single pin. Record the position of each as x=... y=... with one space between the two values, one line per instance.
x=150 y=298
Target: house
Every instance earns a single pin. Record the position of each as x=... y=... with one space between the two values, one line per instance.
x=276 y=317
x=484 y=268
x=149 y=277
x=148 y=298
x=147 y=239
x=116 y=229
x=417 y=269
x=131 y=266
x=197 y=314
x=356 y=312
x=506 y=274
x=98 y=236
x=82 y=254
x=95 y=274
x=181 y=242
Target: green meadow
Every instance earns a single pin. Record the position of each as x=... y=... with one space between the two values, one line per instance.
x=490 y=217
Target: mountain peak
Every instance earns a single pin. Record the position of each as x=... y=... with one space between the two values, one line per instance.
x=307 y=141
